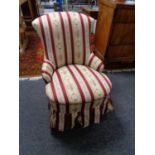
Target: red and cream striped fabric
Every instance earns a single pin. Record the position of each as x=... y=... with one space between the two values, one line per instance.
x=76 y=89
x=65 y=37
x=76 y=84
x=96 y=63
x=85 y=115
x=47 y=71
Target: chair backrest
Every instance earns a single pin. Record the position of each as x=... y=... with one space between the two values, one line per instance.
x=65 y=37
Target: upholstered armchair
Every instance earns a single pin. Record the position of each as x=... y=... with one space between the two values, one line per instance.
x=76 y=86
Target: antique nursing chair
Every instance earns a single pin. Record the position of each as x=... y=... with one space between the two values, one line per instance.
x=77 y=90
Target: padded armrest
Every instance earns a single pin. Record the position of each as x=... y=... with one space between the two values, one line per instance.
x=47 y=71
x=96 y=63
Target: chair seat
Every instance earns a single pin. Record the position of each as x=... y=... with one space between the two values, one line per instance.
x=76 y=84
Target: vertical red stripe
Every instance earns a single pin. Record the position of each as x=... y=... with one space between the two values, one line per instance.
x=71 y=33
x=78 y=85
x=64 y=36
x=86 y=82
x=43 y=35
x=83 y=37
x=99 y=66
x=101 y=109
x=52 y=40
x=91 y=59
x=68 y=121
x=103 y=88
x=54 y=92
x=107 y=81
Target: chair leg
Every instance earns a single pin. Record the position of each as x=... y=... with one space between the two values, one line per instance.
x=49 y=105
x=110 y=106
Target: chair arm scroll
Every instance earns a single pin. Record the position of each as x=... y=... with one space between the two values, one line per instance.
x=47 y=71
x=96 y=63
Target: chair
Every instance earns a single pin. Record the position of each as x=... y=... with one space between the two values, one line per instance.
x=77 y=90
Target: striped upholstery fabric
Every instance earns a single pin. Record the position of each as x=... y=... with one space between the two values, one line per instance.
x=95 y=63
x=65 y=36
x=76 y=87
x=74 y=84
x=47 y=70
x=77 y=90
x=66 y=116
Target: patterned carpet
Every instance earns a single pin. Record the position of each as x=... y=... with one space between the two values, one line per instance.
x=31 y=60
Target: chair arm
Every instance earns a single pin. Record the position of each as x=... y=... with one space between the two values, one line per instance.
x=95 y=63
x=47 y=71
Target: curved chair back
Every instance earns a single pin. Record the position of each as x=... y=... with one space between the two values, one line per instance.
x=65 y=37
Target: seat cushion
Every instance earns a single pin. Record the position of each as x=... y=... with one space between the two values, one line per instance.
x=76 y=84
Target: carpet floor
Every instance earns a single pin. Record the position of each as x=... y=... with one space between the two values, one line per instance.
x=114 y=136
x=31 y=60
